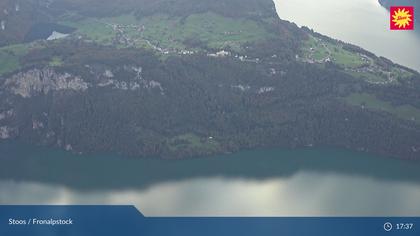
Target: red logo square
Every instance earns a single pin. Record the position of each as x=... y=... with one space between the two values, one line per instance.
x=402 y=18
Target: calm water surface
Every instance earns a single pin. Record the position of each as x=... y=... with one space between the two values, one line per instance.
x=273 y=182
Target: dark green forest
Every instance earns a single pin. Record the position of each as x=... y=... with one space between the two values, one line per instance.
x=86 y=96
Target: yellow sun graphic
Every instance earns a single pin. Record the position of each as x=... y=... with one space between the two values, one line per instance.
x=401 y=18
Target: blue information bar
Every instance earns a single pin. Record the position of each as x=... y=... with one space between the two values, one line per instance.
x=127 y=221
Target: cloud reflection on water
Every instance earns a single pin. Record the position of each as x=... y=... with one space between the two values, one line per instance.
x=304 y=194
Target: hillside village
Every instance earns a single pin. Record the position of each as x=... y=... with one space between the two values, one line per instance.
x=318 y=51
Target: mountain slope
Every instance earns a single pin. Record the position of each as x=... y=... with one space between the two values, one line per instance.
x=184 y=78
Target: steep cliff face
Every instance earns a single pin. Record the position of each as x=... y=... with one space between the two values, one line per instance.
x=37 y=82
x=36 y=104
x=42 y=81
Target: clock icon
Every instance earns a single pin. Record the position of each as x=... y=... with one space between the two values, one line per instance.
x=387 y=227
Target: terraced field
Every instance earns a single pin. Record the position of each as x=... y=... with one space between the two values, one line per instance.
x=168 y=34
x=317 y=50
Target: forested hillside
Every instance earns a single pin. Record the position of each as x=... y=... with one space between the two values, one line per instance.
x=184 y=78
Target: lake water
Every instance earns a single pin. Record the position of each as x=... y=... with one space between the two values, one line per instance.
x=274 y=182
x=361 y=22
x=270 y=182
x=46 y=30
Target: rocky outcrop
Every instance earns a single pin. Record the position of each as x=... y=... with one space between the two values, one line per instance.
x=43 y=81
x=6 y=132
x=6 y=114
x=135 y=83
